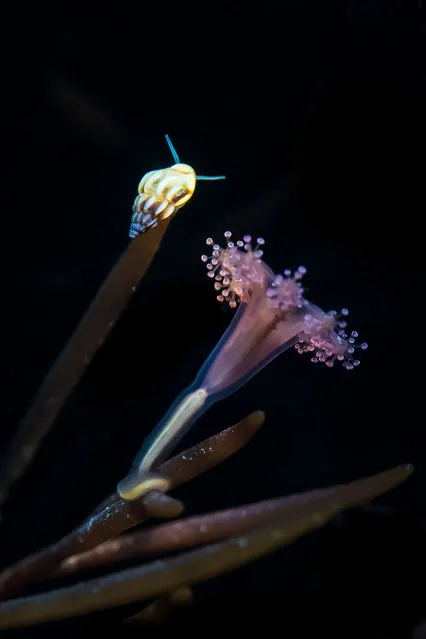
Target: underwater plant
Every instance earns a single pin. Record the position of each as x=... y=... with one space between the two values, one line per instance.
x=273 y=315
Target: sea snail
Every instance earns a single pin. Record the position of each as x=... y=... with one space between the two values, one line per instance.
x=163 y=192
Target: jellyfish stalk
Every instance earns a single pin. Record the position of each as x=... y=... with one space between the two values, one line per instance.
x=272 y=316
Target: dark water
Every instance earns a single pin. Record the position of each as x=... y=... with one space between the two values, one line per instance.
x=316 y=115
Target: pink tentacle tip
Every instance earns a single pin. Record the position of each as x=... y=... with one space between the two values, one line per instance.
x=324 y=336
x=286 y=292
x=235 y=268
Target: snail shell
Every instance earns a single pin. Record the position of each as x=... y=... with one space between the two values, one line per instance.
x=161 y=193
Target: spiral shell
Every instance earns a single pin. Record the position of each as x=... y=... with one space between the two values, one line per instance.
x=161 y=193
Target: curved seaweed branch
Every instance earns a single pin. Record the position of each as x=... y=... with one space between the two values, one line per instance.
x=76 y=356
x=163 y=576
x=119 y=515
x=152 y=579
x=214 y=526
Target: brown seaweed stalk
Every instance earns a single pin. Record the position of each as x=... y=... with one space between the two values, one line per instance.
x=76 y=356
x=163 y=576
x=119 y=515
x=300 y=514
x=218 y=525
x=156 y=578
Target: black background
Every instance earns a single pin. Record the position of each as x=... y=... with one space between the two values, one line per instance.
x=315 y=111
